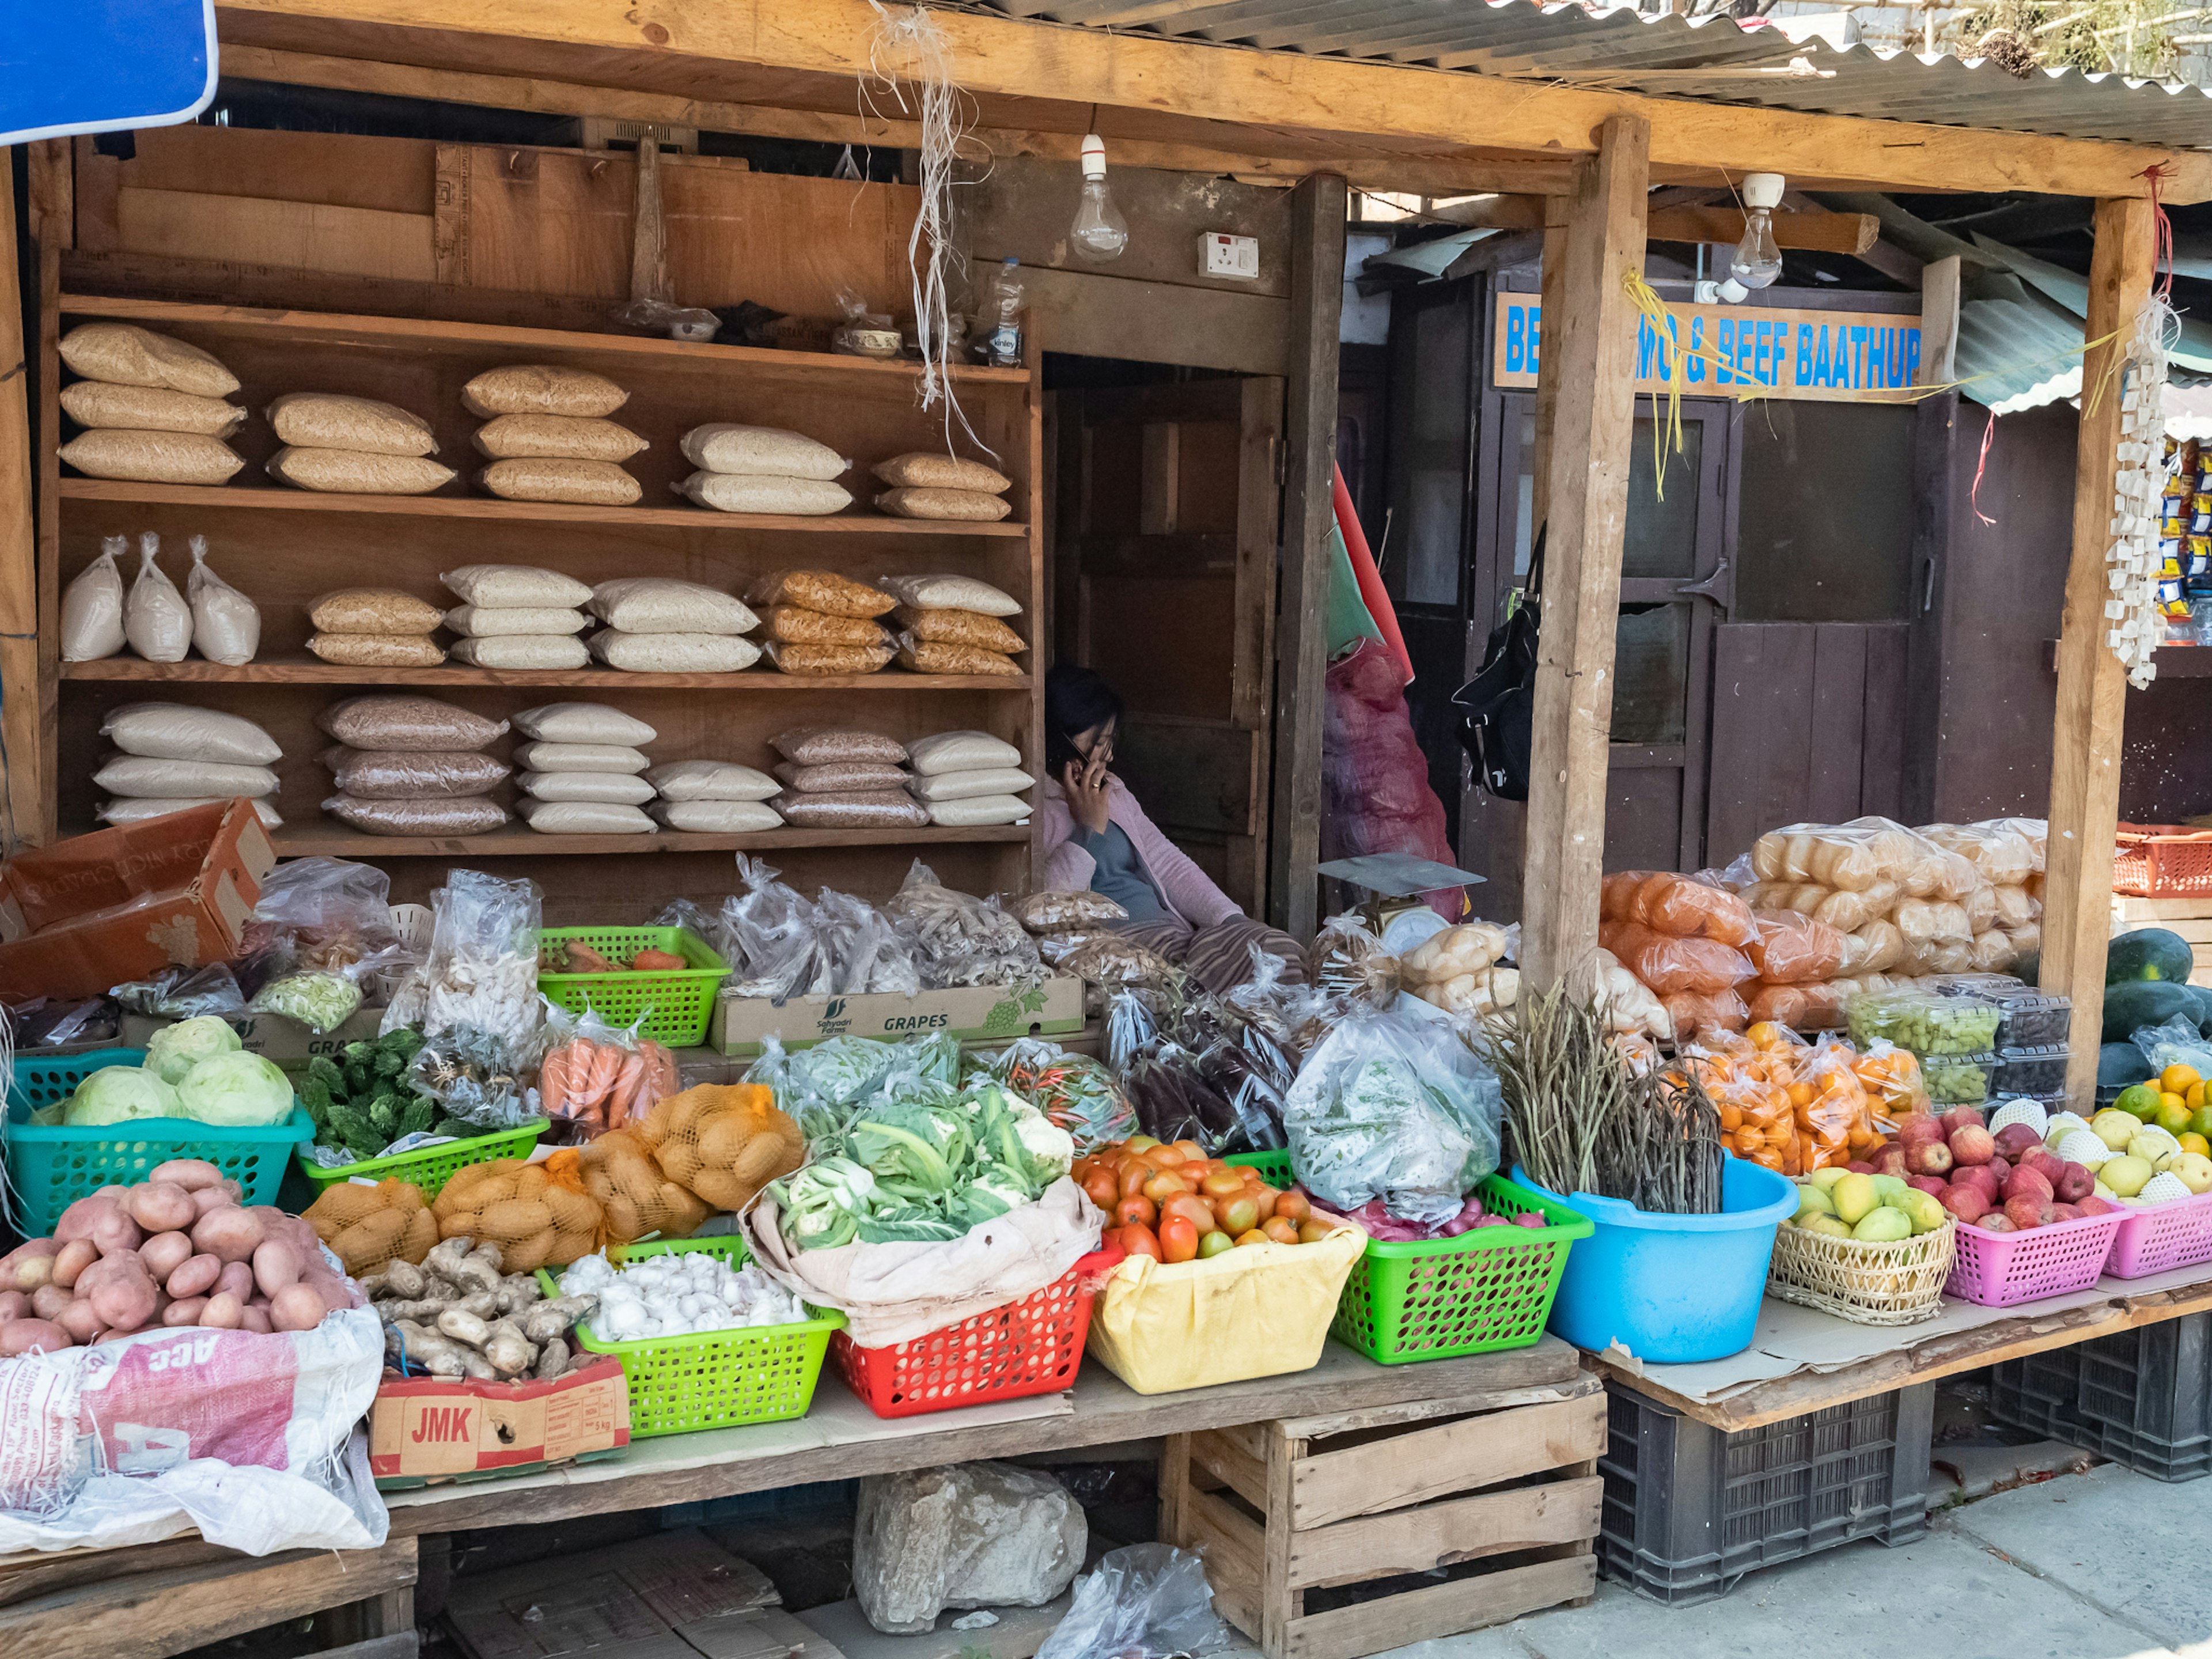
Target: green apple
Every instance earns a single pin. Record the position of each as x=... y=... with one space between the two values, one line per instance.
x=1883 y=1226
x=1855 y=1194
x=1811 y=1200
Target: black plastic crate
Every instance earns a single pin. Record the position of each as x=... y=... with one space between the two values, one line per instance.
x=2140 y=1398
x=2037 y=1393
x=1690 y=1509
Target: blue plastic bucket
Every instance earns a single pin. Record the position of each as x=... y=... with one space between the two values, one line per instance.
x=1672 y=1289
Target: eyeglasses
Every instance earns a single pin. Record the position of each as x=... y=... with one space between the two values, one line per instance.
x=1101 y=750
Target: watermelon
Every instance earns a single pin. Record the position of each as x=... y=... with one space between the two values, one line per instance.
x=2131 y=1005
x=2149 y=953
x=2120 y=1064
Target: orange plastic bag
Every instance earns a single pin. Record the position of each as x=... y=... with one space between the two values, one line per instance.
x=1756 y=1122
x=1686 y=908
x=1700 y=1013
x=1804 y=1007
x=1616 y=895
x=1790 y=949
x=1669 y=964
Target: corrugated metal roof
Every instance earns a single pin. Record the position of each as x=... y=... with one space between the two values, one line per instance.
x=1662 y=53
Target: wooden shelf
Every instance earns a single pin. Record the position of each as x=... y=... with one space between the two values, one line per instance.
x=327 y=839
x=211 y=496
x=437 y=338
x=307 y=671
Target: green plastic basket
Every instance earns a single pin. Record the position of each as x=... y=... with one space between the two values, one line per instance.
x=429 y=1168
x=717 y=1379
x=1440 y=1298
x=49 y=1169
x=677 y=1005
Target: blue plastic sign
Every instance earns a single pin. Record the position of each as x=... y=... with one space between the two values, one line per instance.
x=104 y=65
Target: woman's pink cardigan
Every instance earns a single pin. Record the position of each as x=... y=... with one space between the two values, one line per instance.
x=1190 y=894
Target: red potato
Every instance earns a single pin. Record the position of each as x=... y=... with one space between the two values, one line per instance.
x=237 y=1278
x=117 y=1335
x=277 y=1267
x=164 y=1253
x=125 y=1298
x=223 y=1311
x=14 y=1304
x=161 y=1207
x=75 y=1256
x=254 y=1319
x=78 y=1220
x=79 y=1320
x=232 y=1234
x=196 y=1276
x=207 y=1199
x=192 y=1174
x=114 y=1234
x=184 y=1312
x=296 y=1308
x=48 y=1301
x=29 y=1266
x=22 y=1336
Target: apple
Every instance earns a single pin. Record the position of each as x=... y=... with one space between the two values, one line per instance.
x=1965 y=1200
x=1972 y=1145
x=2025 y=1210
x=1932 y=1185
x=2046 y=1163
x=2028 y=1183
x=2065 y=1213
x=1996 y=1222
x=1859 y=1166
x=1979 y=1174
x=2093 y=1205
x=1917 y=1128
x=2074 y=1184
x=2016 y=1138
x=1890 y=1161
x=1961 y=1117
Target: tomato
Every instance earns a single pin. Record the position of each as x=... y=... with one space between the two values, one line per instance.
x=1213 y=1243
x=1239 y=1215
x=1256 y=1237
x=1109 y=1238
x=1190 y=1149
x=1191 y=1208
x=1192 y=1175
x=1139 y=1144
x=1171 y=1156
x=1102 y=1186
x=1139 y=1240
x=1265 y=1197
x=1282 y=1231
x=1178 y=1239
x=1223 y=1186
x=1311 y=1231
x=1292 y=1207
x=1134 y=1175
x=1162 y=1187
x=1136 y=1207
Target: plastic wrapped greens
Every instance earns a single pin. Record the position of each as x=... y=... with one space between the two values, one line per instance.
x=178 y=992
x=958 y=939
x=1073 y=1090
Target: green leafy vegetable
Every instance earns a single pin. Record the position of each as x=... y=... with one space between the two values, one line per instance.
x=362 y=1101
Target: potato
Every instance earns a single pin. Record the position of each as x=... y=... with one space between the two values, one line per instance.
x=186 y=1311
x=254 y=1319
x=296 y=1308
x=78 y=1220
x=14 y=1304
x=29 y=1266
x=48 y=1301
x=223 y=1311
x=196 y=1276
x=22 y=1336
x=78 y=1319
x=276 y=1266
x=161 y=1207
x=116 y=1233
x=205 y=1199
x=237 y=1277
x=164 y=1253
x=123 y=1299
x=192 y=1174
x=232 y=1234
x=77 y=1256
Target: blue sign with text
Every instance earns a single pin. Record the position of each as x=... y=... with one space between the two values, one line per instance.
x=104 y=65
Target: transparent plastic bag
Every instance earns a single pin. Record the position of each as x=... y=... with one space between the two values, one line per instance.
x=1792 y=949
x=1397 y=1109
x=315 y=998
x=1811 y=1007
x=1348 y=960
x=1144 y=1602
x=155 y=619
x=1667 y=965
x=2177 y=1043
x=958 y=939
x=778 y=949
x=1175 y=1101
x=473 y=1076
x=594 y=1077
x=92 y=607
x=481 y=975
x=1702 y=1013
x=2000 y=853
x=1073 y=1090
x=1688 y=907
x=183 y=992
x=321 y=915
x=226 y=624
x=866 y=954
x=1061 y=912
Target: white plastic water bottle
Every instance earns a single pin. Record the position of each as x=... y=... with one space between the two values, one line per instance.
x=1002 y=318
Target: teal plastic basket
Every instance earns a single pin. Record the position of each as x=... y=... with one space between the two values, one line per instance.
x=675 y=1004
x=50 y=1169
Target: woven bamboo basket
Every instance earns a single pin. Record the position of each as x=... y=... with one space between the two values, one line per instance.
x=1900 y=1284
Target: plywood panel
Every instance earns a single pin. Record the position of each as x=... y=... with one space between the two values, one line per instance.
x=1095 y=315
x=337 y=169
x=1840 y=686
x=349 y=241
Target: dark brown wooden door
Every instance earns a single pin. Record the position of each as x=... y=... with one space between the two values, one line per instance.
x=1166 y=523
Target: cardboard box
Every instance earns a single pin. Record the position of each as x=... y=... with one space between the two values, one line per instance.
x=982 y=1013
x=287 y=1042
x=96 y=911
x=427 y=1428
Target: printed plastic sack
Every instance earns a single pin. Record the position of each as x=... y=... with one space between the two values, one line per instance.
x=155 y=619
x=1393 y=1108
x=1144 y=1602
x=92 y=607
x=226 y=624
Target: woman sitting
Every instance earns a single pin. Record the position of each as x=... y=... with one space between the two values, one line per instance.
x=1096 y=836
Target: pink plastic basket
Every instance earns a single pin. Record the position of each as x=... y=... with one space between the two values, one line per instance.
x=2164 y=1236
x=1999 y=1269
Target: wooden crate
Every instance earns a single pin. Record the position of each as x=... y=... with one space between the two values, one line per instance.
x=2191 y=918
x=1287 y=1508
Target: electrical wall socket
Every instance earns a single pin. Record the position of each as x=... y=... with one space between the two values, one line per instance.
x=1220 y=254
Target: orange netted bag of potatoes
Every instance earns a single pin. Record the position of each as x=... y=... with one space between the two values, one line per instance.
x=536 y=1220
x=369 y=1228
x=724 y=1141
x=636 y=1195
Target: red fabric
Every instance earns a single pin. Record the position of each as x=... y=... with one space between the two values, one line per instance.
x=1371 y=579
x=1375 y=779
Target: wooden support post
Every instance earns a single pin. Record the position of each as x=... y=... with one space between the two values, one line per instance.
x=1588 y=357
x=22 y=817
x=1317 y=209
x=2084 y=746
x=648 y=251
x=1939 y=320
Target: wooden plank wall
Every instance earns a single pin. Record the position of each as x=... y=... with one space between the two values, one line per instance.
x=1808 y=725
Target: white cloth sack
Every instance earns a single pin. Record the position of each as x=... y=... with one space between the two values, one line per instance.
x=583 y=722
x=226 y=624
x=177 y=731
x=92 y=607
x=155 y=619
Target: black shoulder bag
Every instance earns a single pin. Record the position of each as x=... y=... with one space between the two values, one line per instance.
x=1500 y=700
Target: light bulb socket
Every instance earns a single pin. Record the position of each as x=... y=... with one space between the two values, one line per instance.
x=1762 y=190
x=1730 y=292
x=1094 y=156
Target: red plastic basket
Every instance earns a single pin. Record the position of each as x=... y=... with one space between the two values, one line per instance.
x=2162 y=861
x=2160 y=1236
x=1034 y=1346
x=1999 y=1269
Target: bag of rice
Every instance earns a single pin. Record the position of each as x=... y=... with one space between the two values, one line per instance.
x=520 y=651
x=717 y=817
x=759 y=451
x=92 y=607
x=135 y=774
x=937 y=657
x=961 y=751
x=580 y=484
x=854 y=809
x=813 y=659
x=962 y=786
x=919 y=471
x=176 y=731
x=516 y=586
x=125 y=355
x=155 y=619
x=137 y=810
x=817 y=745
x=149 y=408
x=372 y=610
x=660 y=605
x=541 y=389
x=184 y=458
x=413 y=774
x=819 y=589
x=840 y=774
x=483 y=622
x=960 y=504
x=538 y=756
x=327 y=420
x=398 y=721
x=710 y=780
x=226 y=624
x=584 y=817
x=731 y=492
x=556 y=437
x=674 y=654
x=378 y=650
x=459 y=815
x=796 y=627
x=961 y=628
x=950 y=594
x=609 y=789
x=356 y=472
x=583 y=722
x=978 y=809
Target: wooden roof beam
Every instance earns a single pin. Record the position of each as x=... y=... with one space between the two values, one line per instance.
x=996 y=55
x=1825 y=232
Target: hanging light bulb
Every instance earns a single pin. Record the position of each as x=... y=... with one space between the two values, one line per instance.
x=1100 y=233
x=1757 y=261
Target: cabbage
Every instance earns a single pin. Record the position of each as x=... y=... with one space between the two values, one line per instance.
x=175 y=1050
x=236 y=1091
x=115 y=1094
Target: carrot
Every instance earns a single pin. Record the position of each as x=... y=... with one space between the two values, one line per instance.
x=553 y=1084
x=606 y=1061
x=622 y=1098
